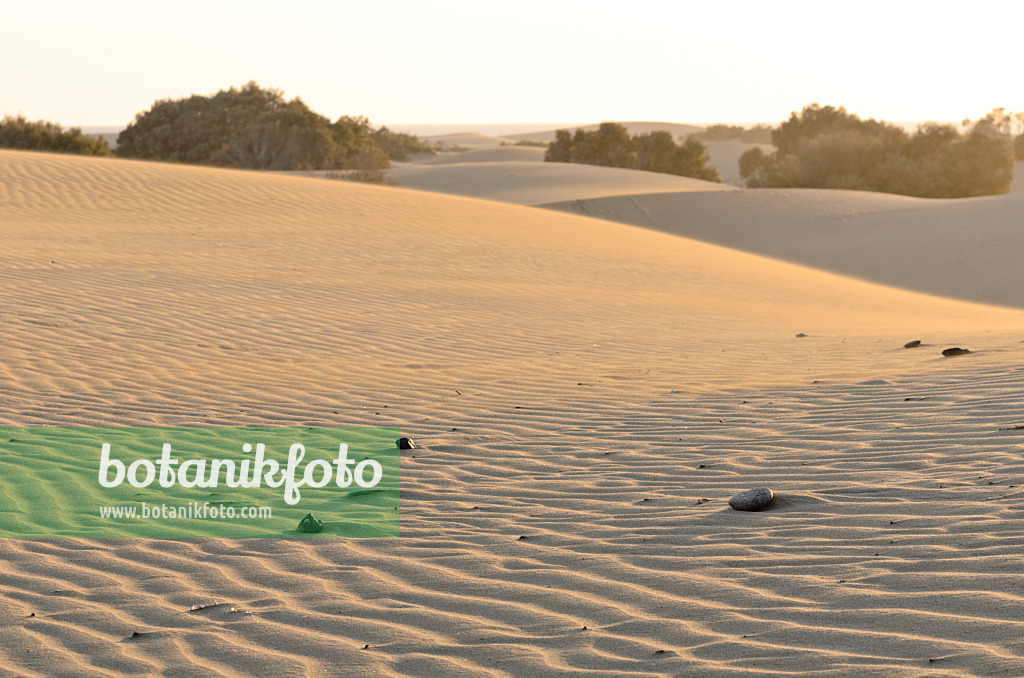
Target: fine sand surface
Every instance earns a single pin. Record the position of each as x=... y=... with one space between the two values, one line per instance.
x=535 y=183
x=967 y=249
x=585 y=396
x=495 y=154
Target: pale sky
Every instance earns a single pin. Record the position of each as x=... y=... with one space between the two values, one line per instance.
x=430 y=62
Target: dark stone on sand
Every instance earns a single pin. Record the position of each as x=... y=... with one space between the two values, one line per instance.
x=954 y=351
x=912 y=344
x=752 y=500
x=310 y=524
x=801 y=335
x=405 y=444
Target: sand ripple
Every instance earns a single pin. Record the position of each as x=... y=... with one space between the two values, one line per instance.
x=565 y=512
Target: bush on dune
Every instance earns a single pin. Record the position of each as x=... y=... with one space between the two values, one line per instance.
x=527 y=142
x=399 y=145
x=826 y=147
x=612 y=146
x=40 y=135
x=255 y=128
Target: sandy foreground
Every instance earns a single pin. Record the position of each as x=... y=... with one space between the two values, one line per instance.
x=586 y=396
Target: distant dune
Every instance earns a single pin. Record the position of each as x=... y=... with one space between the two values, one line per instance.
x=673 y=128
x=894 y=240
x=965 y=249
x=724 y=155
x=534 y=183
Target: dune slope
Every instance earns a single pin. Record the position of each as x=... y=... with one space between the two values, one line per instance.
x=496 y=154
x=724 y=156
x=965 y=249
x=585 y=395
x=531 y=183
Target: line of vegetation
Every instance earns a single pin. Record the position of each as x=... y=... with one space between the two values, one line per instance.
x=611 y=145
x=526 y=142
x=399 y=145
x=827 y=147
x=759 y=134
x=41 y=135
x=256 y=128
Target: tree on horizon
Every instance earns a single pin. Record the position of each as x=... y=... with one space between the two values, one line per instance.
x=250 y=127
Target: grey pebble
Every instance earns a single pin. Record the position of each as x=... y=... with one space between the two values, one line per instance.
x=752 y=500
x=912 y=344
x=954 y=351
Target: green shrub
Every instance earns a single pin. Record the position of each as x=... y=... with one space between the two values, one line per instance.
x=250 y=127
x=612 y=146
x=40 y=135
x=826 y=147
x=399 y=145
x=759 y=134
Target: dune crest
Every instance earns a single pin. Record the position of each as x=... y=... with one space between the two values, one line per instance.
x=963 y=249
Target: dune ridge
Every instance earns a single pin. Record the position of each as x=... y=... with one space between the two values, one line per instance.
x=585 y=396
x=963 y=249
x=535 y=183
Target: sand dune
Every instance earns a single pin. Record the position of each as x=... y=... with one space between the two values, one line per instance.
x=725 y=155
x=499 y=154
x=1017 y=186
x=535 y=183
x=965 y=249
x=586 y=396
